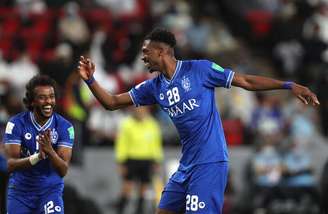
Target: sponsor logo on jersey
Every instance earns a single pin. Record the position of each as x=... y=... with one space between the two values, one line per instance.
x=182 y=108
x=161 y=96
x=28 y=136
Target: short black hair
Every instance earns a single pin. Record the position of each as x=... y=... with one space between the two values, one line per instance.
x=37 y=80
x=162 y=35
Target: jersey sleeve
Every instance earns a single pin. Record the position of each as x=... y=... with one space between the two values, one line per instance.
x=13 y=132
x=214 y=75
x=142 y=94
x=66 y=135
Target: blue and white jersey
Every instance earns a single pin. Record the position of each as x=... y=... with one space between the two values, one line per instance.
x=22 y=129
x=189 y=100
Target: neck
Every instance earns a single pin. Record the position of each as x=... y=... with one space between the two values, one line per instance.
x=39 y=119
x=169 y=67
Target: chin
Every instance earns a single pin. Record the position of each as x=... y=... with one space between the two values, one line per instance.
x=47 y=115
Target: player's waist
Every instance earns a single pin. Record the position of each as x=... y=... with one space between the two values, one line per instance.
x=34 y=182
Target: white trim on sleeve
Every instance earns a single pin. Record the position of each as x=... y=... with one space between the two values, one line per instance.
x=230 y=78
x=133 y=98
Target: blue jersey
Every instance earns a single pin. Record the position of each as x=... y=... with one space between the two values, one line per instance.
x=22 y=129
x=189 y=100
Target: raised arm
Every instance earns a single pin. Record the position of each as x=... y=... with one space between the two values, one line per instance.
x=111 y=102
x=259 y=83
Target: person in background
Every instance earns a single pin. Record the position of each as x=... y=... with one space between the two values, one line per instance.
x=138 y=150
x=38 y=147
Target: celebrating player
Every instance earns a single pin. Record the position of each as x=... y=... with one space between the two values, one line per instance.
x=185 y=90
x=38 y=144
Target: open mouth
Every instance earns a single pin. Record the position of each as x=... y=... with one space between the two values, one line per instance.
x=147 y=64
x=47 y=109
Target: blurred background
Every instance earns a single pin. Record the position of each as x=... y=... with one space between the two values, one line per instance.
x=278 y=147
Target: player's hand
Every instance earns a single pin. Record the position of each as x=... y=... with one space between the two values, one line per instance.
x=305 y=94
x=42 y=154
x=45 y=143
x=86 y=68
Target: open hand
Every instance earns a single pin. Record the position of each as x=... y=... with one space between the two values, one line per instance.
x=86 y=68
x=305 y=94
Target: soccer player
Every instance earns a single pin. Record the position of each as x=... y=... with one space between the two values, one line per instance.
x=185 y=90
x=38 y=144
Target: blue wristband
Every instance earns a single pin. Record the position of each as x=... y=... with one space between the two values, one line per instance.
x=287 y=85
x=90 y=80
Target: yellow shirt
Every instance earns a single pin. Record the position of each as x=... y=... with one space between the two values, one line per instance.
x=139 y=140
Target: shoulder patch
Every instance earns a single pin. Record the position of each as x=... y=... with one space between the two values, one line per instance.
x=217 y=67
x=71 y=132
x=9 y=128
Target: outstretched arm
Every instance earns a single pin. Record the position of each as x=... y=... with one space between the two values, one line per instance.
x=111 y=102
x=259 y=83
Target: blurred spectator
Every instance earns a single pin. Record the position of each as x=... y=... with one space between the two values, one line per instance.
x=289 y=54
x=316 y=26
x=20 y=71
x=102 y=123
x=297 y=167
x=267 y=116
x=138 y=149
x=30 y=6
x=315 y=32
x=75 y=104
x=301 y=122
x=267 y=171
x=198 y=35
x=60 y=66
x=73 y=29
x=299 y=185
x=119 y=7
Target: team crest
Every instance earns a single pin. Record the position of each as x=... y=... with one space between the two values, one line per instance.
x=185 y=84
x=53 y=136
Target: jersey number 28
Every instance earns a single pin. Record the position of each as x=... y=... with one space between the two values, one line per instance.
x=173 y=95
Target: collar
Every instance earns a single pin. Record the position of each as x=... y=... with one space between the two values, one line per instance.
x=38 y=126
x=177 y=69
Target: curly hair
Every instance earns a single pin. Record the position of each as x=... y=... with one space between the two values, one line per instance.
x=162 y=35
x=37 y=80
